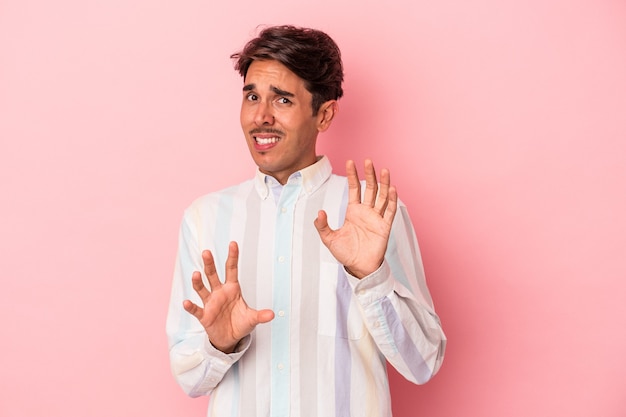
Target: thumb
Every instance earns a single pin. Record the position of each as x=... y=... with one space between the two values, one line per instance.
x=263 y=316
x=321 y=224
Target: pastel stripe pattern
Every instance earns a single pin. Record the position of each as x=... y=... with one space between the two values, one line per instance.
x=326 y=351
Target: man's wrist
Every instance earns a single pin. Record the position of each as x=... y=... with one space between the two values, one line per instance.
x=228 y=349
x=359 y=274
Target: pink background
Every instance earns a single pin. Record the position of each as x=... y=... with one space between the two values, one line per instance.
x=503 y=123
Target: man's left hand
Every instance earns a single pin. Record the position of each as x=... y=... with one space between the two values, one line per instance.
x=361 y=242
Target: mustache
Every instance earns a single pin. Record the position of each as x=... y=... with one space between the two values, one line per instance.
x=266 y=130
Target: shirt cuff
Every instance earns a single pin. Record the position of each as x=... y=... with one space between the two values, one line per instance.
x=374 y=286
x=221 y=362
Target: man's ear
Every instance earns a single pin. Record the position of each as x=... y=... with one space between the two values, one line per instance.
x=326 y=113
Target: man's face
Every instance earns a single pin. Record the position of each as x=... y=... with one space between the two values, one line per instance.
x=277 y=120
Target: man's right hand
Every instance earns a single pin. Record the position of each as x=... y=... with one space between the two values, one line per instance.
x=226 y=317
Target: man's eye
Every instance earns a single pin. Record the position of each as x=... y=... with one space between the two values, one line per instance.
x=251 y=97
x=284 y=100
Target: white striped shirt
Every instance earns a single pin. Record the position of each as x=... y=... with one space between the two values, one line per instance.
x=325 y=352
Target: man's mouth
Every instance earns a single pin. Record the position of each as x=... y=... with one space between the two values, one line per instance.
x=267 y=140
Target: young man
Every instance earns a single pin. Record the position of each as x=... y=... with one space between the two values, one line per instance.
x=310 y=284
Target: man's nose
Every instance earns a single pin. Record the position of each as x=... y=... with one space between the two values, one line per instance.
x=264 y=115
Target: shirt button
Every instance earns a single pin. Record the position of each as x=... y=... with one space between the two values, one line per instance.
x=281 y=313
x=281 y=259
x=376 y=324
x=280 y=366
x=283 y=210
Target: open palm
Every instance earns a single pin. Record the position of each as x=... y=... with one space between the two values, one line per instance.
x=360 y=243
x=225 y=316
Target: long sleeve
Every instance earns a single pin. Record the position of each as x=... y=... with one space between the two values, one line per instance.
x=397 y=308
x=196 y=365
x=326 y=351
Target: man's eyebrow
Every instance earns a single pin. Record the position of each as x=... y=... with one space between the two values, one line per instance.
x=276 y=90
x=281 y=92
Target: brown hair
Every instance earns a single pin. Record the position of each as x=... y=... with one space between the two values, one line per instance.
x=309 y=53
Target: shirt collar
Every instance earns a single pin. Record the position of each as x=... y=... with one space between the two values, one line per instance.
x=312 y=177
